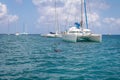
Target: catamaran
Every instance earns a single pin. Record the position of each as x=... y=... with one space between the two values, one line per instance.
x=79 y=32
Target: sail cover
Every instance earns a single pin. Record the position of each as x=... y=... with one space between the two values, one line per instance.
x=77 y=25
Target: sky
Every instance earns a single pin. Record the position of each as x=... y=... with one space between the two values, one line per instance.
x=38 y=16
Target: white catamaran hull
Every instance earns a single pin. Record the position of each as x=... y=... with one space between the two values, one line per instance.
x=70 y=37
x=79 y=37
x=96 y=37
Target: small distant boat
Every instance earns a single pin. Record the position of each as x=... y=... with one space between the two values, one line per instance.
x=79 y=32
x=24 y=30
x=17 y=33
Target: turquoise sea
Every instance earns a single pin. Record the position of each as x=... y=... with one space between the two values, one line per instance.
x=32 y=57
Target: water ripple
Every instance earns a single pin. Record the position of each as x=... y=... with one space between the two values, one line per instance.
x=32 y=57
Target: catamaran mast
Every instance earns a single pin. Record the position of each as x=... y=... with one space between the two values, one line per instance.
x=81 y=22
x=86 y=14
x=83 y=10
x=56 y=24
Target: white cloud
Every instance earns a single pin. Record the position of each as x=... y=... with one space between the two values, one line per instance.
x=68 y=10
x=46 y=8
x=113 y=21
x=4 y=16
x=12 y=18
x=3 y=10
x=19 y=1
x=118 y=21
x=94 y=19
x=109 y=20
x=98 y=4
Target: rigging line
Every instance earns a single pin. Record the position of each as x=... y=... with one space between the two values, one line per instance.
x=8 y=27
x=16 y=27
x=86 y=14
x=56 y=19
x=89 y=11
x=68 y=15
x=55 y=16
x=88 y=8
x=81 y=22
x=58 y=24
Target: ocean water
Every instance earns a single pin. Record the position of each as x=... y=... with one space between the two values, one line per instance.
x=32 y=57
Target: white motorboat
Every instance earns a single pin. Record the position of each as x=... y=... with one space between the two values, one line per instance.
x=57 y=33
x=51 y=35
x=17 y=33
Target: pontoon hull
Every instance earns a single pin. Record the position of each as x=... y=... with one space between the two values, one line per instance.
x=79 y=38
x=69 y=37
x=92 y=37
